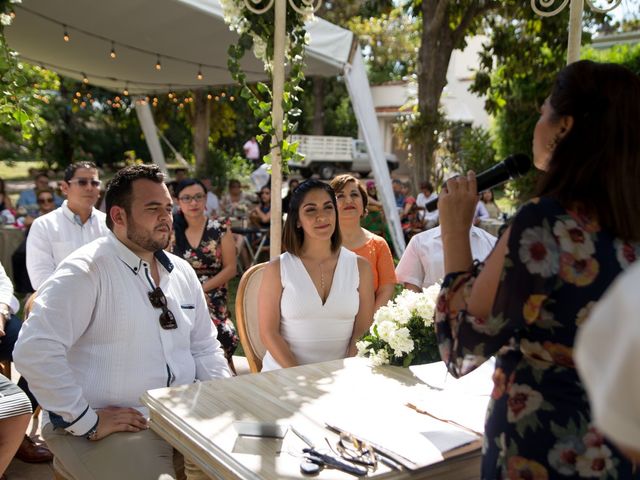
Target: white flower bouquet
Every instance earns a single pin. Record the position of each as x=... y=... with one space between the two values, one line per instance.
x=403 y=332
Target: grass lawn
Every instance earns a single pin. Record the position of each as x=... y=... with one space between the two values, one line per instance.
x=18 y=170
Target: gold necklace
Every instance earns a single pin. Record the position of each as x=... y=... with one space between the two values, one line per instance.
x=321 y=278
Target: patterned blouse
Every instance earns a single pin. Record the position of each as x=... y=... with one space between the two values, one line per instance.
x=538 y=424
x=206 y=260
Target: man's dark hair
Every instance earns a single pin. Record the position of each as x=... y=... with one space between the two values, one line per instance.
x=40 y=175
x=120 y=188
x=70 y=171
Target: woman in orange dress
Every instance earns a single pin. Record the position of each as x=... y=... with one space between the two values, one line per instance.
x=352 y=207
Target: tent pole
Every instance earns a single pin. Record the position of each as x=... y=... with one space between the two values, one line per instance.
x=277 y=116
x=145 y=117
x=576 y=9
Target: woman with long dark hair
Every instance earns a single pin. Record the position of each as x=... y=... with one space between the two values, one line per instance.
x=208 y=246
x=316 y=299
x=562 y=251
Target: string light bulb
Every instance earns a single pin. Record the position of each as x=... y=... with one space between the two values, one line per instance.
x=65 y=35
x=209 y=97
x=158 y=64
x=199 y=76
x=85 y=80
x=112 y=54
x=125 y=92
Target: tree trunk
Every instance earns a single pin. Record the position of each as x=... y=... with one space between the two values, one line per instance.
x=439 y=38
x=317 y=127
x=201 y=128
x=435 y=52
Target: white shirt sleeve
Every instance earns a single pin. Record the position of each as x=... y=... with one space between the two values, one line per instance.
x=481 y=211
x=61 y=313
x=40 y=261
x=205 y=347
x=607 y=355
x=6 y=292
x=409 y=269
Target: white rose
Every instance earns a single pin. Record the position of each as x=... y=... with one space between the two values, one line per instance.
x=401 y=342
x=386 y=330
x=384 y=314
x=380 y=358
x=363 y=348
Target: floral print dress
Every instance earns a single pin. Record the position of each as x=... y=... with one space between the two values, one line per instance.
x=206 y=260
x=538 y=423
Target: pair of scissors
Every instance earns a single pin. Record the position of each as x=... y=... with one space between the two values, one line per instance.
x=315 y=461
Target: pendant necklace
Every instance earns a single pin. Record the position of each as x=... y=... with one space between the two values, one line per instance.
x=321 y=278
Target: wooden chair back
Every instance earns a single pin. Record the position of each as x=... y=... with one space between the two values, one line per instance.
x=247 y=316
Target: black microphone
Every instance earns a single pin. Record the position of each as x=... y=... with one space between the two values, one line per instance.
x=514 y=166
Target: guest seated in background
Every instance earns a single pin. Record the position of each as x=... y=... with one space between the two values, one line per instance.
x=422 y=263
x=427 y=193
x=490 y=205
x=212 y=205
x=352 y=207
x=316 y=300
x=398 y=195
x=208 y=246
x=607 y=355
x=375 y=221
x=235 y=203
x=525 y=304
x=77 y=222
x=28 y=198
x=481 y=213
x=293 y=184
x=260 y=216
x=5 y=199
x=46 y=203
x=409 y=218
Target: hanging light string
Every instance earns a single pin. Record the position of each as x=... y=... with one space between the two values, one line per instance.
x=66 y=28
x=116 y=102
x=124 y=81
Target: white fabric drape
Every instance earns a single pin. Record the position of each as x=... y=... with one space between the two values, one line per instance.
x=148 y=125
x=362 y=101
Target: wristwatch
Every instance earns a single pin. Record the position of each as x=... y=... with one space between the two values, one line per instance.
x=93 y=433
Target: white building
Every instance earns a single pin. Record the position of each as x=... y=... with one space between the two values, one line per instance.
x=457 y=102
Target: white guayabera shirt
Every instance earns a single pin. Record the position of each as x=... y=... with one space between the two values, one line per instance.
x=94 y=339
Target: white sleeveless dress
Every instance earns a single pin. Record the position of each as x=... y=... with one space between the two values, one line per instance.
x=313 y=331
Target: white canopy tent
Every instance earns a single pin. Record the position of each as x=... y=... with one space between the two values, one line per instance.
x=185 y=37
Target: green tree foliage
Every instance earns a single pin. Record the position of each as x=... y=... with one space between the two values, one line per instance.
x=627 y=55
x=516 y=72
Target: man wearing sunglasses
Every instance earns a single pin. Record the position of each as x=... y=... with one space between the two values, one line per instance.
x=138 y=320
x=77 y=222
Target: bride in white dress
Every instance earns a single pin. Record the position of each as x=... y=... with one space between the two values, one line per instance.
x=316 y=300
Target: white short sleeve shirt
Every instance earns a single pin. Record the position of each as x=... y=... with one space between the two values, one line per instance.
x=422 y=263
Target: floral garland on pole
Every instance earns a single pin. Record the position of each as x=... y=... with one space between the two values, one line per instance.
x=255 y=25
x=13 y=108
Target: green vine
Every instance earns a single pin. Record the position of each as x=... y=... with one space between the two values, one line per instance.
x=257 y=34
x=13 y=110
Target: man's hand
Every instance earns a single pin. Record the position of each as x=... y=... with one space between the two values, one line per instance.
x=119 y=419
